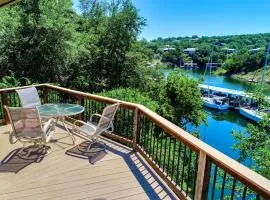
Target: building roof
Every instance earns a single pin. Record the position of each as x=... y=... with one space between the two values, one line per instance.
x=229 y=49
x=255 y=49
x=190 y=49
x=168 y=49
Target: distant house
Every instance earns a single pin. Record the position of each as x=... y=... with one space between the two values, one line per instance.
x=168 y=49
x=195 y=39
x=190 y=51
x=229 y=50
x=254 y=50
x=221 y=44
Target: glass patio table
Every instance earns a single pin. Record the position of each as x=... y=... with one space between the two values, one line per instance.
x=60 y=111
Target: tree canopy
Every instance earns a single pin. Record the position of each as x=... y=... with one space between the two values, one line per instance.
x=235 y=53
x=95 y=50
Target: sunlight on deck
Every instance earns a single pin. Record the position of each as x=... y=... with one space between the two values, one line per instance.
x=120 y=174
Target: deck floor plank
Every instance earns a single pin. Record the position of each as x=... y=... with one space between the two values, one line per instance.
x=120 y=174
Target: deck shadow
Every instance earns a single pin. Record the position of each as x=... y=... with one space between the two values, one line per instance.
x=96 y=154
x=135 y=165
x=14 y=163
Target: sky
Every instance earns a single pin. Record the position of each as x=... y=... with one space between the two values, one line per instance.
x=175 y=18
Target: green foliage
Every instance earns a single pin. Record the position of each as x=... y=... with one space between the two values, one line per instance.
x=47 y=41
x=242 y=60
x=11 y=81
x=94 y=51
x=180 y=100
x=131 y=95
x=254 y=144
x=37 y=46
x=185 y=97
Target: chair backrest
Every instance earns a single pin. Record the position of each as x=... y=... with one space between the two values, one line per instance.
x=106 y=118
x=25 y=122
x=29 y=97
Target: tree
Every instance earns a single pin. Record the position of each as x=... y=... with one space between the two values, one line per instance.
x=253 y=144
x=38 y=47
x=180 y=100
x=114 y=27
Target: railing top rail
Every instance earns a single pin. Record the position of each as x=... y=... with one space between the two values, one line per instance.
x=21 y=87
x=241 y=172
x=124 y=104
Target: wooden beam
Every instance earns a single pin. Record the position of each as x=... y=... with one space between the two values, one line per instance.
x=124 y=104
x=81 y=102
x=4 y=96
x=4 y=3
x=45 y=95
x=203 y=177
x=136 y=123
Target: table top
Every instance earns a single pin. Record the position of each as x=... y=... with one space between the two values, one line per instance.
x=59 y=110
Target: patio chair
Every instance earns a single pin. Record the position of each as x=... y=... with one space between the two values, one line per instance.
x=29 y=97
x=27 y=128
x=93 y=130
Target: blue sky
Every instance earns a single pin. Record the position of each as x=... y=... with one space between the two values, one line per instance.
x=174 y=18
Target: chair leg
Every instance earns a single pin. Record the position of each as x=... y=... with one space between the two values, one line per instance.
x=85 y=147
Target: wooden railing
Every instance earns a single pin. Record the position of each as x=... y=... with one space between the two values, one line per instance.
x=191 y=168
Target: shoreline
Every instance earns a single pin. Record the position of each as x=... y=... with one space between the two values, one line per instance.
x=248 y=79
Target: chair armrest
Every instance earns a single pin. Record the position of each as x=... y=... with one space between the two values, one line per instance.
x=81 y=122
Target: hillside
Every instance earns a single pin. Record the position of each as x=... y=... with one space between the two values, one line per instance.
x=238 y=54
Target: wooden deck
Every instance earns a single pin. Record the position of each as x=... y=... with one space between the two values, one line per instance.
x=120 y=174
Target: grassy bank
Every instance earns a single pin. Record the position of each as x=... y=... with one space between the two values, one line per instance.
x=254 y=76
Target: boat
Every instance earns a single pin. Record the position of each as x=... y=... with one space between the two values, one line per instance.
x=252 y=114
x=255 y=114
x=210 y=101
x=218 y=103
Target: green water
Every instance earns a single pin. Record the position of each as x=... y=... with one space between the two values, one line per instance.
x=220 y=124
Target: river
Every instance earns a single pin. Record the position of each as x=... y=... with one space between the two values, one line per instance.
x=218 y=131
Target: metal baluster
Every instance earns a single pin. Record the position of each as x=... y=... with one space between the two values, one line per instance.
x=164 y=157
x=195 y=175
x=168 y=163
x=183 y=168
x=244 y=193
x=160 y=152
x=223 y=185
x=188 y=171
x=151 y=139
x=178 y=162
x=214 y=183
x=157 y=149
x=174 y=146
x=233 y=188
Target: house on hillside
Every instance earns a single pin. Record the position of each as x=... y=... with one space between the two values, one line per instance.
x=168 y=49
x=190 y=51
x=254 y=50
x=229 y=50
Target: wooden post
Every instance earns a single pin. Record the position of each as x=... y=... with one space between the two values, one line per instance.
x=81 y=102
x=136 y=123
x=203 y=177
x=45 y=95
x=5 y=103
